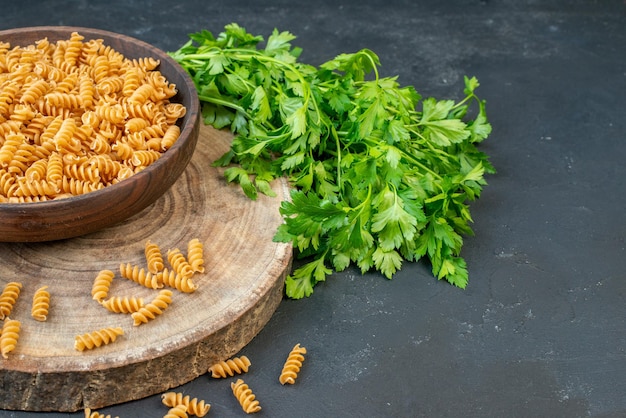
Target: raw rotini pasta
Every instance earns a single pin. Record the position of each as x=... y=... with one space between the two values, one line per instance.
x=154 y=257
x=25 y=187
x=37 y=170
x=54 y=168
x=140 y=276
x=144 y=157
x=169 y=137
x=79 y=97
x=153 y=309
x=9 y=337
x=95 y=414
x=118 y=304
x=8 y=297
x=195 y=255
x=172 y=279
x=292 y=365
x=41 y=304
x=178 y=411
x=194 y=406
x=145 y=63
x=102 y=284
x=230 y=367
x=9 y=147
x=179 y=263
x=97 y=338
x=246 y=398
x=70 y=187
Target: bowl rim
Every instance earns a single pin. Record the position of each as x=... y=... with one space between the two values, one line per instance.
x=190 y=118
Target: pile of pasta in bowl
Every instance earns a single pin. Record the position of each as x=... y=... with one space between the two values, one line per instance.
x=83 y=111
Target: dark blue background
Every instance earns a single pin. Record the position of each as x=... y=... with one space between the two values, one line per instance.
x=541 y=329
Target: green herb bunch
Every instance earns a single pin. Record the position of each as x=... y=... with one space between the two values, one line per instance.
x=379 y=174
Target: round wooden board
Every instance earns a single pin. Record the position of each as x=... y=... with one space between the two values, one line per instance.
x=238 y=293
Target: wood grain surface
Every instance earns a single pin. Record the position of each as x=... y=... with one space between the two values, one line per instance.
x=238 y=293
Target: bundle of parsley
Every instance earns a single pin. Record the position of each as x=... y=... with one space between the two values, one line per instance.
x=375 y=180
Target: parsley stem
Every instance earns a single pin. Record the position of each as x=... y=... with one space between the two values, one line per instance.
x=338 y=145
x=225 y=103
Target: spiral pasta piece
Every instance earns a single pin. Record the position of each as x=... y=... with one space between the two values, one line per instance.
x=64 y=140
x=107 y=167
x=169 y=137
x=6 y=181
x=8 y=127
x=8 y=297
x=87 y=92
x=145 y=63
x=113 y=113
x=67 y=100
x=292 y=365
x=230 y=367
x=195 y=255
x=178 y=411
x=68 y=83
x=95 y=414
x=73 y=50
x=10 y=147
x=153 y=309
x=194 y=406
x=136 y=124
x=118 y=304
x=54 y=169
x=141 y=94
x=143 y=158
x=97 y=338
x=246 y=398
x=179 y=263
x=41 y=304
x=172 y=279
x=37 y=170
x=83 y=172
x=10 y=336
x=75 y=187
x=22 y=160
x=154 y=257
x=101 y=285
x=34 y=91
x=26 y=187
x=8 y=93
x=140 y=276
x=123 y=150
x=132 y=81
x=22 y=113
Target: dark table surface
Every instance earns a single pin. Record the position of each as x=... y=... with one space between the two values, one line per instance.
x=541 y=329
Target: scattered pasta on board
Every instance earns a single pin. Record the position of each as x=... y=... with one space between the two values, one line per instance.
x=98 y=338
x=154 y=257
x=123 y=304
x=153 y=309
x=10 y=335
x=41 y=304
x=102 y=284
x=8 y=297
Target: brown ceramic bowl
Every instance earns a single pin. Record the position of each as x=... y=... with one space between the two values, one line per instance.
x=82 y=214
